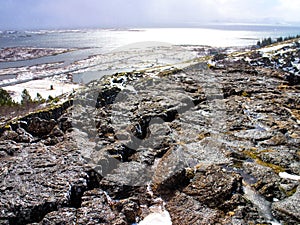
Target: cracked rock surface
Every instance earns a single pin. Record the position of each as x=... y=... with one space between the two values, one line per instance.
x=187 y=141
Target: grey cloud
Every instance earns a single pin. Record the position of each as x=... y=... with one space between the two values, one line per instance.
x=25 y=14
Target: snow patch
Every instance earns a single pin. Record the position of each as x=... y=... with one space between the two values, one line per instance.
x=161 y=218
x=42 y=87
x=274 y=48
x=286 y=175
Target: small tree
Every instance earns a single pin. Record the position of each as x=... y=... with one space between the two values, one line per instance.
x=50 y=98
x=39 y=98
x=5 y=98
x=280 y=39
x=258 y=43
x=26 y=98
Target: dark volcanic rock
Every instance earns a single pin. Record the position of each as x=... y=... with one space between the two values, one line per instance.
x=124 y=181
x=61 y=216
x=96 y=208
x=40 y=127
x=288 y=210
x=195 y=137
x=20 y=135
x=214 y=186
x=267 y=181
x=186 y=210
x=8 y=148
x=40 y=179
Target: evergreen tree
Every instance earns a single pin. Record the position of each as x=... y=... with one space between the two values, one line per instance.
x=5 y=98
x=26 y=98
x=39 y=98
x=268 y=41
x=50 y=98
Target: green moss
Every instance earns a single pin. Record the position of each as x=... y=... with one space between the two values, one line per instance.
x=250 y=153
x=291 y=192
x=210 y=66
x=189 y=173
x=253 y=154
x=201 y=136
x=288 y=193
x=245 y=94
x=238 y=163
x=277 y=169
x=169 y=72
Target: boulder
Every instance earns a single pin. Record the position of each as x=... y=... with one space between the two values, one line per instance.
x=287 y=210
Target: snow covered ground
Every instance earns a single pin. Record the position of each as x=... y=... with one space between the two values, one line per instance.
x=283 y=56
x=38 y=78
x=65 y=78
x=274 y=48
x=43 y=87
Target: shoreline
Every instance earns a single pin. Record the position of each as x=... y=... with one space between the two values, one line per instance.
x=15 y=54
x=128 y=60
x=125 y=60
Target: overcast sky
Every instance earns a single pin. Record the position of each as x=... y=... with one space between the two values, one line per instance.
x=32 y=14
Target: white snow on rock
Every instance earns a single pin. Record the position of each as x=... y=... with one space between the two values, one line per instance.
x=274 y=48
x=286 y=175
x=157 y=218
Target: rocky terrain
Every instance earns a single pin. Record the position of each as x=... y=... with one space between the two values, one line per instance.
x=206 y=144
x=26 y=53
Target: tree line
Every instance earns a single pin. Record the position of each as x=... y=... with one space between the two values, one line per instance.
x=268 y=41
x=6 y=99
x=10 y=108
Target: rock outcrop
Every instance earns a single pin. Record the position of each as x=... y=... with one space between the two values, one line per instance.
x=187 y=141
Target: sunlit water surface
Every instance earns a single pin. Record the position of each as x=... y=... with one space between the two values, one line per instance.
x=100 y=41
